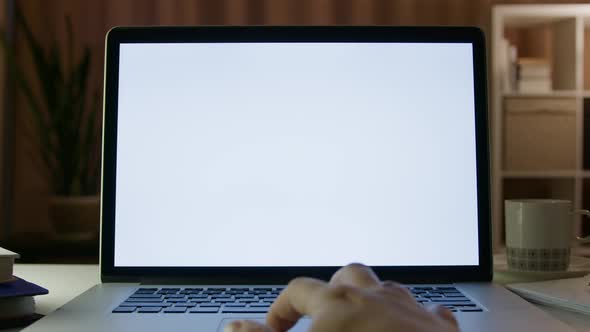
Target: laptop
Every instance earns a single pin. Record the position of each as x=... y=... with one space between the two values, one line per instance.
x=237 y=158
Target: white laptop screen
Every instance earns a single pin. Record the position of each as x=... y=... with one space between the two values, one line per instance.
x=296 y=154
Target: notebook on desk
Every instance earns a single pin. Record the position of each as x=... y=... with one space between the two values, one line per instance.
x=570 y=294
x=236 y=158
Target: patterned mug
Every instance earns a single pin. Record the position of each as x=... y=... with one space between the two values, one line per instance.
x=539 y=233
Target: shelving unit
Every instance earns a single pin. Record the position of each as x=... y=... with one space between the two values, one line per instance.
x=541 y=140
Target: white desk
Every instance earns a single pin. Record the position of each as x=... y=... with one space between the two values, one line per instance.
x=65 y=282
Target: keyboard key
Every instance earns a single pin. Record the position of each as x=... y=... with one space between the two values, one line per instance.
x=240 y=289
x=176 y=301
x=175 y=310
x=471 y=310
x=262 y=289
x=170 y=289
x=150 y=310
x=166 y=292
x=234 y=305
x=198 y=296
x=228 y=300
x=267 y=297
x=200 y=301
x=247 y=301
x=446 y=300
x=209 y=305
x=124 y=309
x=140 y=304
x=221 y=296
x=260 y=305
x=146 y=296
x=246 y=296
x=204 y=310
x=211 y=293
x=144 y=300
x=245 y=310
x=147 y=289
x=189 y=305
x=174 y=296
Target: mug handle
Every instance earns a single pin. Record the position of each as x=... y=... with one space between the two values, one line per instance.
x=585 y=239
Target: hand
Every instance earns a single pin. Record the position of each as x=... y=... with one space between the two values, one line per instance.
x=354 y=300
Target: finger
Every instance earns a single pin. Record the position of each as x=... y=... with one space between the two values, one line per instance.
x=301 y=297
x=246 y=326
x=397 y=290
x=443 y=313
x=357 y=275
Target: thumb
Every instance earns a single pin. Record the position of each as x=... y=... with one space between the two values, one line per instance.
x=443 y=313
x=246 y=326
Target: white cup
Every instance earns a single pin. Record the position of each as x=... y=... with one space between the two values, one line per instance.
x=539 y=233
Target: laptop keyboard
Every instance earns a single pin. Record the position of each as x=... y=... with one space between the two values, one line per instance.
x=256 y=300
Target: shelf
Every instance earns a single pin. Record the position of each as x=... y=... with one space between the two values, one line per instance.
x=556 y=188
x=550 y=94
x=543 y=174
x=585 y=174
x=528 y=21
x=541 y=141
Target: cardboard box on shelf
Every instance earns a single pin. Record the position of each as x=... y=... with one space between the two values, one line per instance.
x=539 y=134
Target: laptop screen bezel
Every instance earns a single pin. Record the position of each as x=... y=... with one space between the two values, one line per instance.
x=375 y=34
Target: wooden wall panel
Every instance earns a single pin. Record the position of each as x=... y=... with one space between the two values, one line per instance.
x=4 y=137
x=92 y=19
x=586 y=59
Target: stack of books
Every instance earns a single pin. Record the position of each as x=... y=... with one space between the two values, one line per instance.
x=534 y=75
x=17 y=305
x=508 y=57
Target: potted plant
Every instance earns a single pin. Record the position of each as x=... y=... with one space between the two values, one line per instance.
x=66 y=123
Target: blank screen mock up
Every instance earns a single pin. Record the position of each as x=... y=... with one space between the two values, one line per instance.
x=296 y=154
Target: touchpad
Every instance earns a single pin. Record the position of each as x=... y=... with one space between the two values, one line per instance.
x=301 y=326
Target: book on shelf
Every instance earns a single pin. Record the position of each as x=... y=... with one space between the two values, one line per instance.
x=531 y=86
x=17 y=302
x=508 y=60
x=534 y=75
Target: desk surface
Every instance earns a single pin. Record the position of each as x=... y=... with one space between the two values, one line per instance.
x=65 y=282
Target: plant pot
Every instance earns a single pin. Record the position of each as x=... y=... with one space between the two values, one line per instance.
x=75 y=217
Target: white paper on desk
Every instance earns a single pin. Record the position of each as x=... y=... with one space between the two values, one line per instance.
x=570 y=294
x=5 y=253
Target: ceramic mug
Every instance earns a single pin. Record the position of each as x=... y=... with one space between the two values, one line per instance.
x=539 y=233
